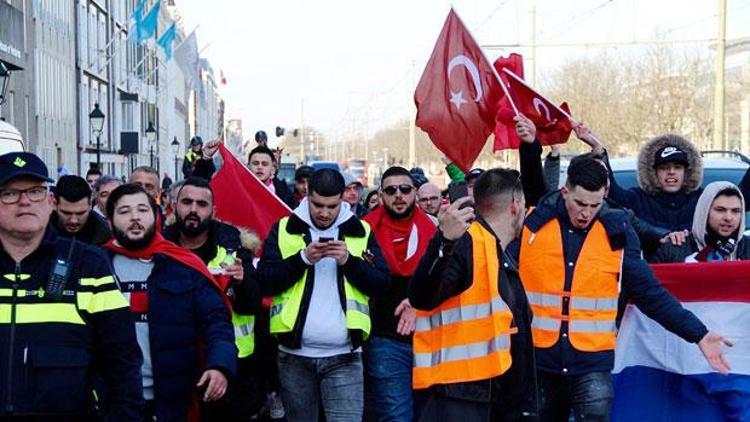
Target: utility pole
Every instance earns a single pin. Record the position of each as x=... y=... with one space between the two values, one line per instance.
x=719 y=140
x=302 y=132
x=412 y=140
x=533 y=42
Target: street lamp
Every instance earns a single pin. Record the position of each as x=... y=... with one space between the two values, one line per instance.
x=151 y=138
x=96 y=117
x=176 y=151
x=4 y=81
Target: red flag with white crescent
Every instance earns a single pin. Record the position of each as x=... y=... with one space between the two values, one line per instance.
x=457 y=96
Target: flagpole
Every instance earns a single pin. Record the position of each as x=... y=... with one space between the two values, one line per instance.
x=494 y=71
x=170 y=81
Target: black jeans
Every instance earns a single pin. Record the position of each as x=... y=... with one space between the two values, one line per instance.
x=589 y=396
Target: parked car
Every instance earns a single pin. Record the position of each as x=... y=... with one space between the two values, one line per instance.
x=317 y=165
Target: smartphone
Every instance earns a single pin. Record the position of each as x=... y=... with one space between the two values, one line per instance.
x=325 y=239
x=457 y=191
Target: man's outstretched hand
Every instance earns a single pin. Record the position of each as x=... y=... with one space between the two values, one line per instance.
x=710 y=346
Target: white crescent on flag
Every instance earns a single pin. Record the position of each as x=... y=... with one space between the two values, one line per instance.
x=539 y=104
x=457 y=98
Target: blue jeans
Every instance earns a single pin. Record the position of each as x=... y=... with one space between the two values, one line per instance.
x=335 y=381
x=588 y=395
x=389 y=366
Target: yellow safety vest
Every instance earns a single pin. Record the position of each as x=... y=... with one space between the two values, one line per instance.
x=285 y=307
x=244 y=325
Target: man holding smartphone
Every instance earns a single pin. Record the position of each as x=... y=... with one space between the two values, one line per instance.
x=321 y=265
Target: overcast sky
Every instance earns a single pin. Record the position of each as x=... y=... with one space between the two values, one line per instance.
x=356 y=63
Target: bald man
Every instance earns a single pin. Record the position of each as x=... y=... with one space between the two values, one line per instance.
x=428 y=198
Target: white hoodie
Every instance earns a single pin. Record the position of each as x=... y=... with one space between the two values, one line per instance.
x=324 y=333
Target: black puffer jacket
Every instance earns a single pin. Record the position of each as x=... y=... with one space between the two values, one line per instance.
x=673 y=211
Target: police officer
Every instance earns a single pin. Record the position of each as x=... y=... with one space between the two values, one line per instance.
x=62 y=317
x=194 y=154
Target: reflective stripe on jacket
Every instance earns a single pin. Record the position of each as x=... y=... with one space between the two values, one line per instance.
x=589 y=306
x=286 y=306
x=244 y=325
x=467 y=337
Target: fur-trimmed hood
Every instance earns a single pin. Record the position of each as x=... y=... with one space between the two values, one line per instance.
x=249 y=239
x=646 y=157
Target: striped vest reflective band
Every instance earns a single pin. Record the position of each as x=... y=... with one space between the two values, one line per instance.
x=592 y=299
x=244 y=325
x=467 y=337
x=285 y=307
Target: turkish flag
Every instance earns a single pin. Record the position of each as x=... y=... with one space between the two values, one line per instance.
x=457 y=96
x=241 y=198
x=505 y=127
x=552 y=125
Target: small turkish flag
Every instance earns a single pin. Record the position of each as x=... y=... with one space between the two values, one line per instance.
x=457 y=96
x=552 y=125
x=505 y=127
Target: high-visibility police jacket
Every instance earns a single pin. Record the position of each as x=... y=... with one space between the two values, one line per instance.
x=467 y=337
x=50 y=346
x=285 y=308
x=589 y=305
x=192 y=156
x=244 y=325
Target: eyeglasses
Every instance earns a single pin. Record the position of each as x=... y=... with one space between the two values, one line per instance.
x=391 y=190
x=429 y=199
x=12 y=196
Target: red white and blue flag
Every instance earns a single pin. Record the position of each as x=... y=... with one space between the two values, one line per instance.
x=659 y=376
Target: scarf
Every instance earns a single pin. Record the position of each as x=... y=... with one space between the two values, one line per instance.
x=403 y=241
x=161 y=246
x=718 y=248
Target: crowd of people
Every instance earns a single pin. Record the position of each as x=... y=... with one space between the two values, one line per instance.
x=130 y=301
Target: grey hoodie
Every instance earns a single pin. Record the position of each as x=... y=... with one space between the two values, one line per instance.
x=697 y=240
x=700 y=218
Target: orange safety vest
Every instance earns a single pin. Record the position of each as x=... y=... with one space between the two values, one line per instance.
x=593 y=295
x=467 y=337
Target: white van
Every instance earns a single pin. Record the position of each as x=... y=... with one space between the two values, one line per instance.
x=10 y=138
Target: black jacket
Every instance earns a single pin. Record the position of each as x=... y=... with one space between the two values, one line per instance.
x=284 y=193
x=276 y=275
x=49 y=367
x=95 y=232
x=673 y=211
x=246 y=298
x=203 y=168
x=440 y=278
x=672 y=253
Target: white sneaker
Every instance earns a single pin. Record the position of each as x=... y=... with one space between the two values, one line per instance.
x=276 y=406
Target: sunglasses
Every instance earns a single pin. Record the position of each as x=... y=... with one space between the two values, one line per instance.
x=391 y=190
